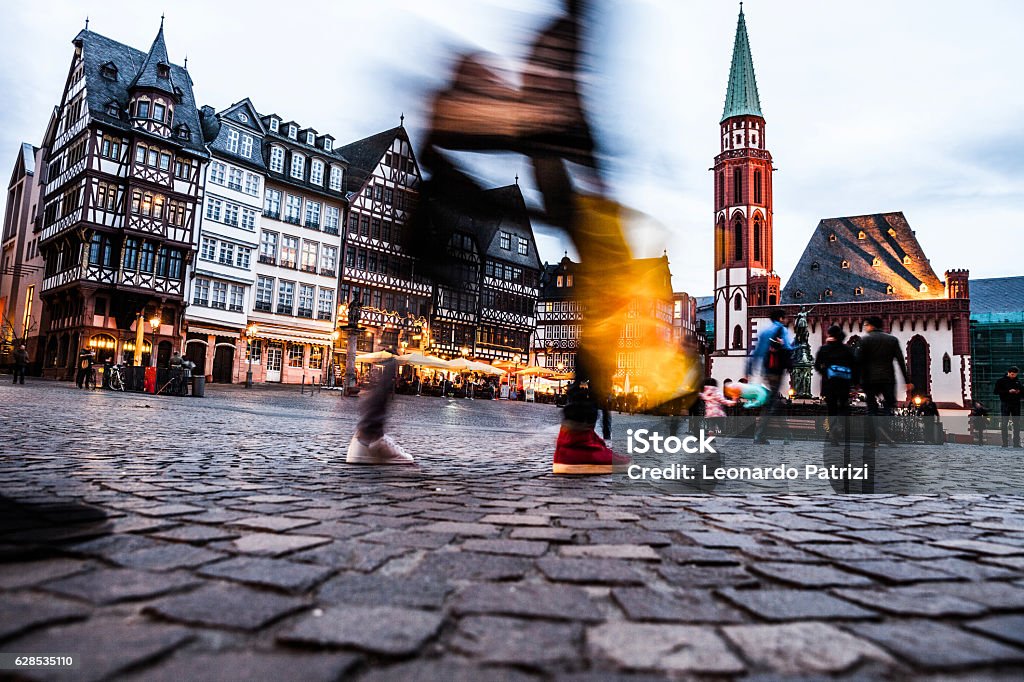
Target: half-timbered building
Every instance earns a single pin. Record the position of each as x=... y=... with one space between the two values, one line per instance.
x=455 y=310
x=221 y=279
x=122 y=182
x=382 y=185
x=511 y=278
x=559 y=317
x=296 y=283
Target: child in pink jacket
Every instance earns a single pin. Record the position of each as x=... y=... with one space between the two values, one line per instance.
x=714 y=406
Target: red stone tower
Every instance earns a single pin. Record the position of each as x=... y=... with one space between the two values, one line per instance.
x=744 y=274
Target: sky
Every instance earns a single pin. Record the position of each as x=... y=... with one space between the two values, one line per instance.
x=870 y=107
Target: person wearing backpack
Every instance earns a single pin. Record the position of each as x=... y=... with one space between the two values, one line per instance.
x=773 y=356
x=875 y=356
x=838 y=368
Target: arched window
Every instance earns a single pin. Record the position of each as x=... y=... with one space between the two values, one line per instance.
x=757 y=187
x=917 y=364
x=721 y=188
x=757 y=238
x=737 y=236
x=720 y=242
x=737 y=337
x=737 y=302
x=737 y=186
x=947 y=364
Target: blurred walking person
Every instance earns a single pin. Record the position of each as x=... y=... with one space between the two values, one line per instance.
x=979 y=420
x=838 y=368
x=20 y=364
x=773 y=357
x=875 y=357
x=1009 y=390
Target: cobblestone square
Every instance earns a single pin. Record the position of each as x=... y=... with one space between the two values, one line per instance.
x=225 y=537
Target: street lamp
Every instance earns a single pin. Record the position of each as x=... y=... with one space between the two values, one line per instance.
x=250 y=334
x=155 y=323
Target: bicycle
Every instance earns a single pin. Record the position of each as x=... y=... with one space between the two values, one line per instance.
x=115 y=380
x=90 y=379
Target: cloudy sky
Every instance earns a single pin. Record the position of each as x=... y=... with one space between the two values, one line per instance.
x=872 y=106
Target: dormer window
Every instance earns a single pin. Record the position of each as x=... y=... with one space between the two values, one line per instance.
x=293 y=132
x=815 y=266
x=327 y=144
x=906 y=260
x=298 y=165
x=179 y=95
x=890 y=289
x=858 y=291
x=316 y=172
x=832 y=237
x=247 y=146
x=861 y=235
x=109 y=71
x=846 y=265
x=275 y=125
x=892 y=232
x=923 y=288
x=876 y=262
x=335 y=181
x=242 y=117
x=113 y=109
x=163 y=71
x=798 y=294
x=311 y=138
x=232 y=143
x=184 y=132
x=828 y=293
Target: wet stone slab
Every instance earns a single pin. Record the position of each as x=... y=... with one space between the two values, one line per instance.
x=381 y=630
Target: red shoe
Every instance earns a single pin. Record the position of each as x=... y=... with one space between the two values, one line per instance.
x=583 y=452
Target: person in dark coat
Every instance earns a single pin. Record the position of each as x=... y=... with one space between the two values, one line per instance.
x=875 y=357
x=20 y=364
x=85 y=360
x=929 y=412
x=1009 y=390
x=837 y=365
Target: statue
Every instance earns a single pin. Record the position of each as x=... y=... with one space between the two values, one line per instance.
x=355 y=311
x=803 y=361
x=801 y=326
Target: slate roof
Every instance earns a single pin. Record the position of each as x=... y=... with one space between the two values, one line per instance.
x=511 y=216
x=363 y=155
x=997 y=295
x=148 y=76
x=98 y=50
x=549 y=279
x=821 y=266
x=741 y=98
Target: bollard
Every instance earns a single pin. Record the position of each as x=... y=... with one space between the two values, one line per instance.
x=302 y=388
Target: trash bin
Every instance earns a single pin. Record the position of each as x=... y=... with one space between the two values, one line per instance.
x=198 y=386
x=149 y=380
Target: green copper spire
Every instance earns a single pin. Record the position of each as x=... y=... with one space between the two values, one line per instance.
x=741 y=98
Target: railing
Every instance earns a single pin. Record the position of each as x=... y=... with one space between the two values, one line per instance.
x=290 y=264
x=237 y=186
x=263 y=306
x=284 y=309
x=219 y=305
x=324 y=315
x=233 y=222
x=331 y=230
x=235 y=308
x=329 y=272
x=268 y=260
x=274 y=215
x=305 y=312
x=292 y=219
x=313 y=225
x=309 y=268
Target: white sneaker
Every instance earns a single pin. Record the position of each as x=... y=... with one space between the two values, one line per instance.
x=381 y=451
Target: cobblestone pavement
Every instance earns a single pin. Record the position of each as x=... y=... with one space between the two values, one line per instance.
x=224 y=538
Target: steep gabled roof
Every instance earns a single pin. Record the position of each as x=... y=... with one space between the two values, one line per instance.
x=741 y=98
x=997 y=295
x=510 y=215
x=148 y=76
x=363 y=155
x=879 y=251
x=97 y=50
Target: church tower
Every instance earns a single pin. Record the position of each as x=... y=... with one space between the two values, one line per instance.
x=744 y=274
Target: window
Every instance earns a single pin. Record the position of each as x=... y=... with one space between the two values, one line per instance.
x=524 y=247
x=268 y=247
x=165 y=162
x=328 y=144
x=832 y=237
x=298 y=165
x=295 y=352
x=332 y=215
x=201 y=291
x=252 y=184
x=876 y=262
x=247 y=146
x=560 y=281
x=378 y=192
x=313 y=214
x=737 y=240
x=131 y=253
x=310 y=138
x=219 y=298
x=235 y=179
x=757 y=187
x=389 y=195
x=232 y=143
x=227 y=253
x=236 y=298
x=101 y=250
x=208 y=249
x=106 y=196
x=277 y=159
x=335 y=181
x=285 y=297
x=264 y=293
x=289 y=251
x=890 y=289
x=182 y=169
x=906 y=260
x=142 y=108
x=174 y=264
x=364 y=226
x=375 y=228
x=248 y=219
x=737 y=186
x=861 y=235
x=217 y=172
x=845 y=265
x=316 y=357
x=110 y=147
x=147 y=257
x=316 y=172
x=293 y=132
x=737 y=302
x=255 y=348
x=231 y=214
x=309 y=255
x=159 y=112
x=506 y=241
x=275 y=125
x=892 y=232
x=272 y=204
x=828 y=293
x=292 y=209
x=757 y=238
x=815 y=266
x=243 y=257
x=798 y=294
x=923 y=288
x=306 y=300
x=858 y=291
